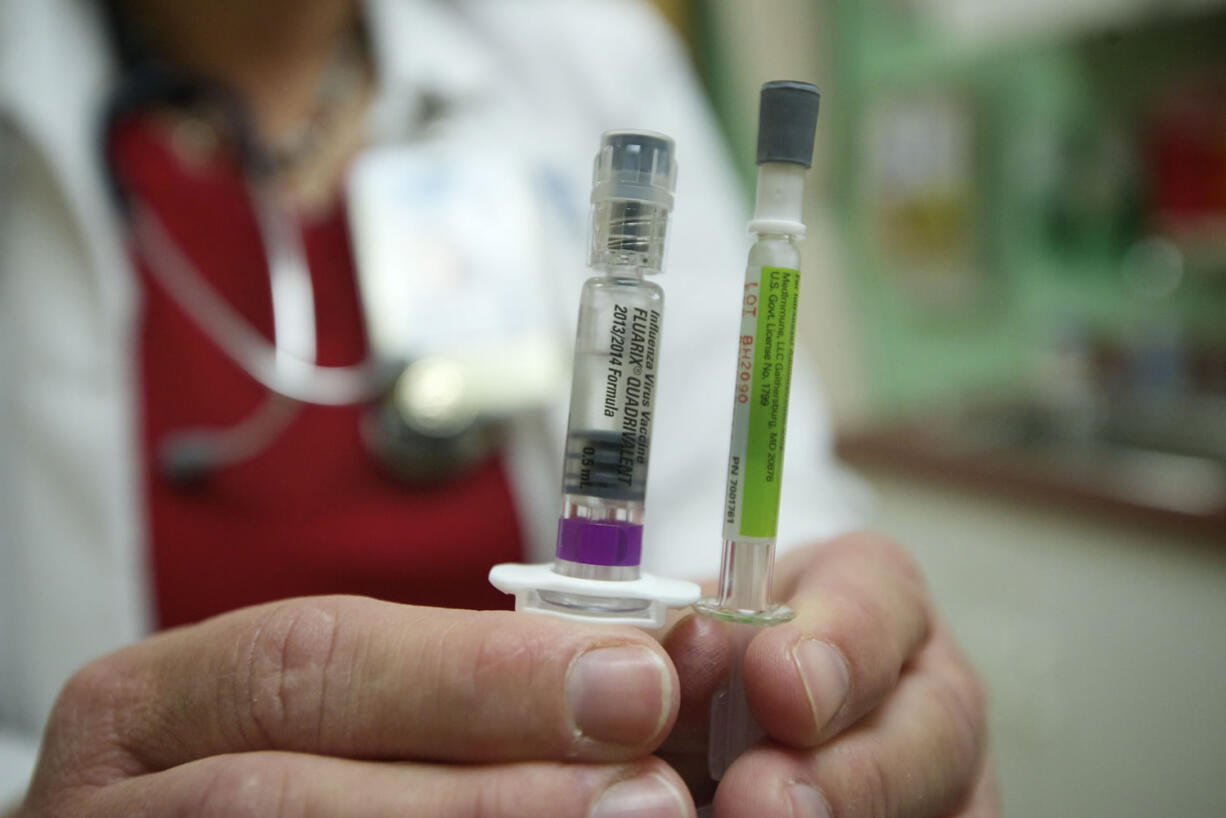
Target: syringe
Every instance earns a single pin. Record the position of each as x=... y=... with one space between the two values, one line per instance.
x=786 y=123
x=595 y=575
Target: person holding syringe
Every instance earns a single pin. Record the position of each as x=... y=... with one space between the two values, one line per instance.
x=595 y=576
x=350 y=705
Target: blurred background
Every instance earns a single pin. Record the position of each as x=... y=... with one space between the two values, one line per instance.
x=1015 y=296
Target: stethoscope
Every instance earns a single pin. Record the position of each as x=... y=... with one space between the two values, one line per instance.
x=413 y=427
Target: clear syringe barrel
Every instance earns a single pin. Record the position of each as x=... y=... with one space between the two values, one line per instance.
x=759 y=423
x=608 y=438
x=787 y=117
x=617 y=344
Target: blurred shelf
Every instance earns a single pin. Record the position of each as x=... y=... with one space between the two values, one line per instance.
x=922 y=41
x=1000 y=450
x=987 y=24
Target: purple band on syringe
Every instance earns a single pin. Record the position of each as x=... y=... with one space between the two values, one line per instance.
x=600 y=543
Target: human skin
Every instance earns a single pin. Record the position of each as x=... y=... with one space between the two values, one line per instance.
x=272 y=53
x=351 y=706
x=869 y=708
x=348 y=706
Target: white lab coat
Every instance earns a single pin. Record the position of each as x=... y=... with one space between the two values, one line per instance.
x=546 y=77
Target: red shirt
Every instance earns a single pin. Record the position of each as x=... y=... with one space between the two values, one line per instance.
x=313 y=513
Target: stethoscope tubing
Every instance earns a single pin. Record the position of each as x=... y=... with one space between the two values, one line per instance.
x=284 y=366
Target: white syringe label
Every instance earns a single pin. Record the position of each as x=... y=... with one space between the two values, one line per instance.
x=760 y=407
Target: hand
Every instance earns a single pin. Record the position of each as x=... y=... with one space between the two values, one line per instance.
x=868 y=708
x=344 y=706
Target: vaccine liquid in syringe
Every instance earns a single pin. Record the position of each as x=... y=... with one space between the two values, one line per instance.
x=607 y=447
x=617 y=347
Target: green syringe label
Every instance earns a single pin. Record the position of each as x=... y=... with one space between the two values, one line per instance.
x=764 y=377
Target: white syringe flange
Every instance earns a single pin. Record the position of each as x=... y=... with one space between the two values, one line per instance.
x=540 y=589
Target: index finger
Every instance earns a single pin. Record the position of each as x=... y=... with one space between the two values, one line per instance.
x=354 y=677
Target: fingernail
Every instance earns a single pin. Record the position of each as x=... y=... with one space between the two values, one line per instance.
x=824 y=674
x=807 y=802
x=649 y=796
x=619 y=695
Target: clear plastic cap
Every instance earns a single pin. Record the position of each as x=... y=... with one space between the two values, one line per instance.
x=633 y=179
x=638 y=165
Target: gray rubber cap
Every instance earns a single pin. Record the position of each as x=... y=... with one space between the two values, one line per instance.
x=787 y=121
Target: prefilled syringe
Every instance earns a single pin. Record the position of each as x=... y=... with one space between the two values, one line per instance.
x=786 y=123
x=596 y=571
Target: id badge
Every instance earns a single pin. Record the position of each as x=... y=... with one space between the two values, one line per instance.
x=452 y=265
